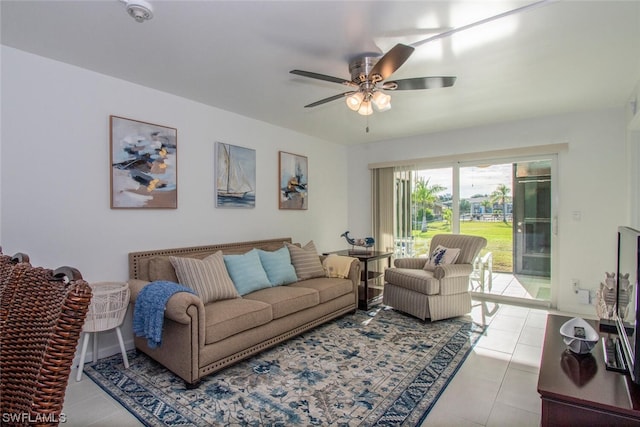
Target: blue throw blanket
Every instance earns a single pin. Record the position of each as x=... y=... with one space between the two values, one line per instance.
x=148 y=314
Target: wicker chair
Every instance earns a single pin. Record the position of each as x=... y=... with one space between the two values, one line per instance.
x=434 y=293
x=7 y=263
x=41 y=315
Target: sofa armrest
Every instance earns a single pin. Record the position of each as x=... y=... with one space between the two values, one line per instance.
x=177 y=306
x=415 y=263
x=452 y=270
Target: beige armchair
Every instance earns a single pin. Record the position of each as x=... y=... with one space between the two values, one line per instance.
x=434 y=292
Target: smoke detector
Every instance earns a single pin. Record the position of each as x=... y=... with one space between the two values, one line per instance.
x=140 y=10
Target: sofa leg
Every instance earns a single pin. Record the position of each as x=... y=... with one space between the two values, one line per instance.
x=192 y=386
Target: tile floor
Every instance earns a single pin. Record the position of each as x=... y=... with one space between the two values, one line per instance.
x=495 y=386
x=519 y=287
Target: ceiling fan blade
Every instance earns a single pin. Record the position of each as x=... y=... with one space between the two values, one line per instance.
x=420 y=83
x=322 y=77
x=482 y=21
x=392 y=60
x=329 y=99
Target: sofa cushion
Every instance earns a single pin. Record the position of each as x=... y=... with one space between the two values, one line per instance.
x=327 y=288
x=441 y=256
x=226 y=318
x=160 y=268
x=208 y=277
x=306 y=261
x=277 y=265
x=246 y=272
x=421 y=281
x=285 y=300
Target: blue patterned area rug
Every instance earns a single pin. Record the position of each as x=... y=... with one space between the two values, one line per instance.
x=369 y=368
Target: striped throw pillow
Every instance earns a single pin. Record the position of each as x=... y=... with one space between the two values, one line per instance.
x=306 y=261
x=207 y=277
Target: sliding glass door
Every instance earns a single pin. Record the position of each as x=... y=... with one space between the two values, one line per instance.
x=486 y=209
x=507 y=202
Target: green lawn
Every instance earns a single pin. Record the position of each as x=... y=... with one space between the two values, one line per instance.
x=498 y=234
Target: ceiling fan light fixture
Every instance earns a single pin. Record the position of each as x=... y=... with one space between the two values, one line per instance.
x=365 y=108
x=381 y=100
x=354 y=100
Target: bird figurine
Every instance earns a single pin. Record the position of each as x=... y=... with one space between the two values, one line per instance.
x=366 y=242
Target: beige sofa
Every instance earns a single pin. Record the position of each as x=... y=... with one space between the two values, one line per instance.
x=199 y=339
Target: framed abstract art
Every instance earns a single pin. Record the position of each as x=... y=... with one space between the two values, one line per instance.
x=143 y=165
x=293 y=181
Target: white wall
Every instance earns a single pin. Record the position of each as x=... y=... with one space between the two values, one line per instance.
x=593 y=179
x=54 y=172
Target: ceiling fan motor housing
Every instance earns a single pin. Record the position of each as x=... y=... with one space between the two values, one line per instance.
x=360 y=69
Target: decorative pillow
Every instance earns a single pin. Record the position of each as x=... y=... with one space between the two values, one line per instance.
x=306 y=261
x=246 y=272
x=442 y=256
x=208 y=277
x=277 y=265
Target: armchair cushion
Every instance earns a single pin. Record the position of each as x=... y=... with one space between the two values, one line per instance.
x=414 y=279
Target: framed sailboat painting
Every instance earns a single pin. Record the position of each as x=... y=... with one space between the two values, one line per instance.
x=235 y=176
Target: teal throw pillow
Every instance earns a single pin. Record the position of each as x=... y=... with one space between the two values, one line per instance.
x=278 y=266
x=246 y=272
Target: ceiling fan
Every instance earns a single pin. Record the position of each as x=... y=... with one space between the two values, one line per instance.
x=368 y=80
x=369 y=73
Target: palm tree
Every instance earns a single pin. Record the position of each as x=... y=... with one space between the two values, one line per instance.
x=426 y=195
x=486 y=204
x=501 y=195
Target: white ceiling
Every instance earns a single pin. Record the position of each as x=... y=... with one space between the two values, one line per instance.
x=562 y=56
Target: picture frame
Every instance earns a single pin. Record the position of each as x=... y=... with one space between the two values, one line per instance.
x=235 y=176
x=143 y=165
x=293 y=181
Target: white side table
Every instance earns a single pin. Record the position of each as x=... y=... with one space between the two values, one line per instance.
x=107 y=310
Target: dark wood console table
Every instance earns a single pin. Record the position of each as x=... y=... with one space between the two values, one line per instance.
x=368 y=295
x=577 y=390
